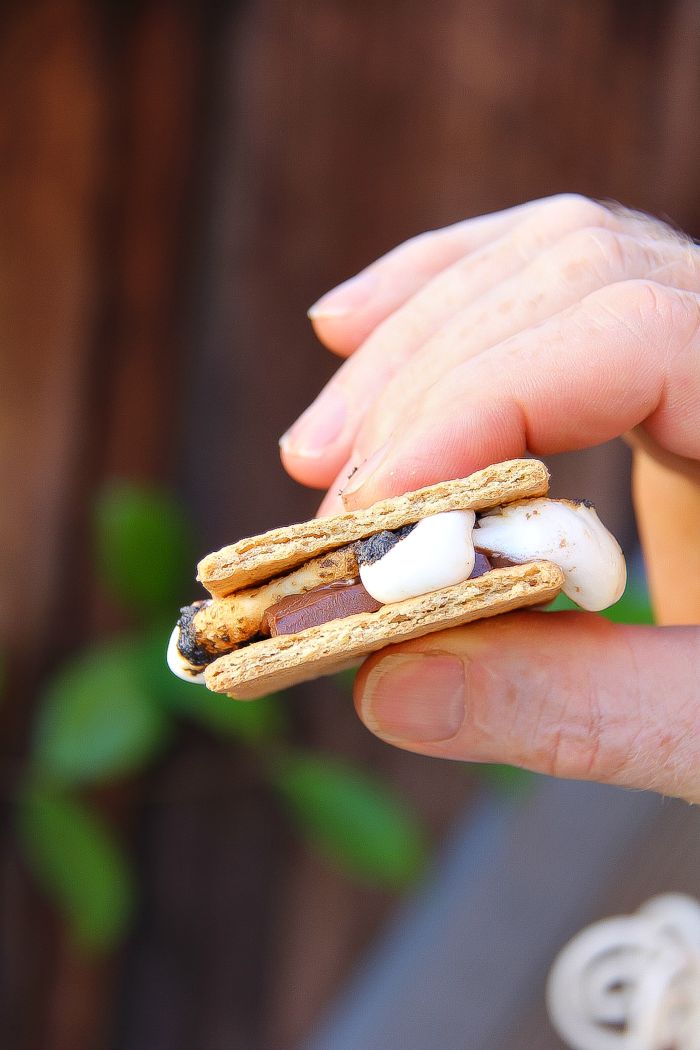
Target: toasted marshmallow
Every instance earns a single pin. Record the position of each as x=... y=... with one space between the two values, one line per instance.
x=567 y=533
x=179 y=665
x=438 y=552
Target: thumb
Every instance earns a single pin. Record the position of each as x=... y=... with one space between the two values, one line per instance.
x=567 y=694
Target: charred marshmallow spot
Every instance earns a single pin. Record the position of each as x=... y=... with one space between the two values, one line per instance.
x=178 y=664
x=565 y=532
x=437 y=553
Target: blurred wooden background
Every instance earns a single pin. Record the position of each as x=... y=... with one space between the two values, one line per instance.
x=179 y=181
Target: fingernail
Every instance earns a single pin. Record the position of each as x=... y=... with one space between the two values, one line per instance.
x=365 y=470
x=318 y=427
x=415 y=697
x=349 y=296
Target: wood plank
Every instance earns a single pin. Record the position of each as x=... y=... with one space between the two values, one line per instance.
x=92 y=217
x=54 y=109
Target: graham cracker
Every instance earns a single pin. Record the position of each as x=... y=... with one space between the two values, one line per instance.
x=276 y=663
x=273 y=553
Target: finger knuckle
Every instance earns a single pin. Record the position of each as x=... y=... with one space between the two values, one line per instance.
x=653 y=306
x=576 y=211
x=579 y=751
x=590 y=747
x=586 y=250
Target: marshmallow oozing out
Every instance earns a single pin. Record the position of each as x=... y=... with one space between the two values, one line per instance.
x=437 y=553
x=177 y=663
x=567 y=533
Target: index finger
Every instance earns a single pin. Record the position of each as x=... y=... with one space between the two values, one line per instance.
x=344 y=317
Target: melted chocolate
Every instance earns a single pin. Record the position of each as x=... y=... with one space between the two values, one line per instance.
x=296 y=612
x=497 y=561
x=482 y=564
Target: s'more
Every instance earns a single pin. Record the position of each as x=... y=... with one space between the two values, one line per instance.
x=316 y=597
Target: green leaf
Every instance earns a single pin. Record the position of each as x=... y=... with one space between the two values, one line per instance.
x=97 y=719
x=347 y=678
x=506 y=780
x=143 y=547
x=633 y=607
x=78 y=864
x=252 y=721
x=352 y=818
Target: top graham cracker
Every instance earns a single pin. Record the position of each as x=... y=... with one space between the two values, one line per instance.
x=250 y=561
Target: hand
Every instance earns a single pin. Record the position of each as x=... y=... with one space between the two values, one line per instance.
x=553 y=326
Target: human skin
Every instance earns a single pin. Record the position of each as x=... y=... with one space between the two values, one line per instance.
x=549 y=327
